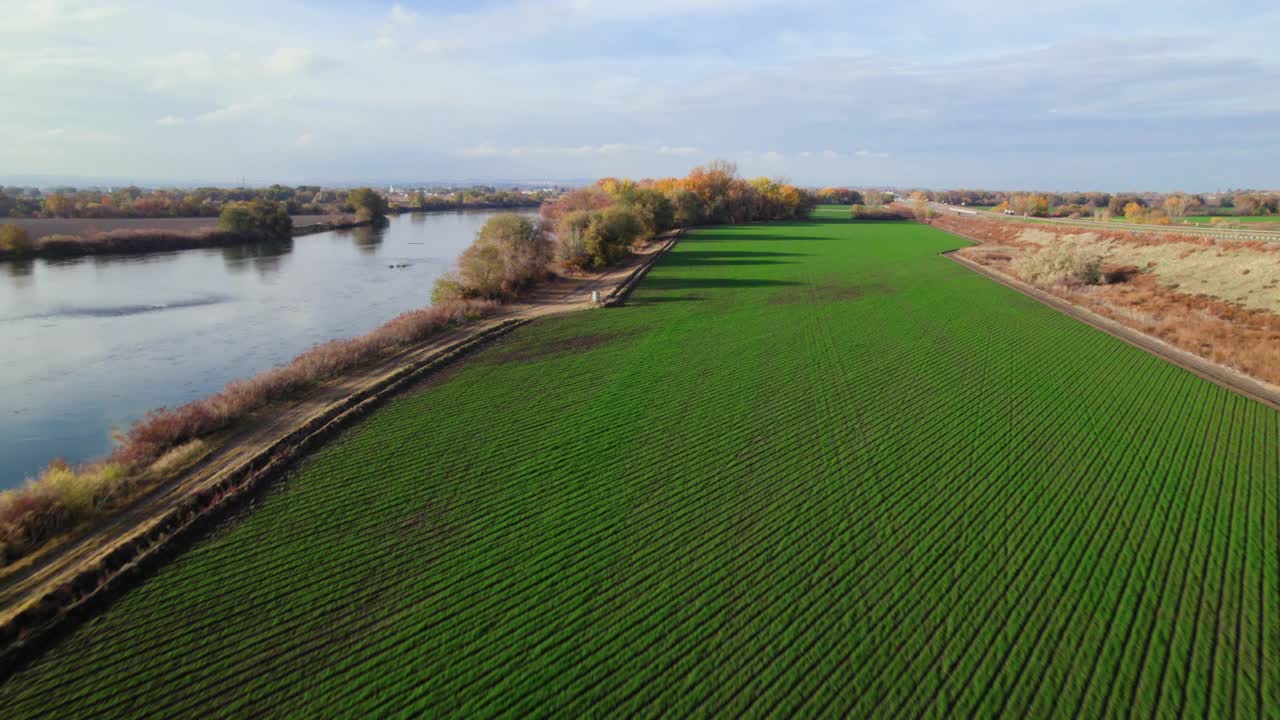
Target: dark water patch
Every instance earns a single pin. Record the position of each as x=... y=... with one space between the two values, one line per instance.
x=109 y=311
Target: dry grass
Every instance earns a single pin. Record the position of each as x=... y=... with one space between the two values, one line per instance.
x=1066 y=263
x=1218 y=299
x=61 y=498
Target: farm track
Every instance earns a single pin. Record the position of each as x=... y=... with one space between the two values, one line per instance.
x=742 y=498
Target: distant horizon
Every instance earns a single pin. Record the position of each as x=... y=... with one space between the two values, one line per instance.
x=48 y=182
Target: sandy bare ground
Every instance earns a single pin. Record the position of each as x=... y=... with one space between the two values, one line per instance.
x=56 y=576
x=40 y=227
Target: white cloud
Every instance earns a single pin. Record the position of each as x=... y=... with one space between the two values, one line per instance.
x=440 y=47
x=227 y=112
x=402 y=16
x=169 y=121
x=869 y=153
x=481 y=150
x=305 y=139
x=492 y=150
x=46 y=14
x=771 y=156
x=503 y=23
x=74 y=136
x=290 y=61
x=182 y=70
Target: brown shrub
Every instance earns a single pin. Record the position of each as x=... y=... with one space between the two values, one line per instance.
x=1059 y=264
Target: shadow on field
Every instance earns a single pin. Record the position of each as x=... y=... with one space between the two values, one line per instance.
x=819 y=222
x=700 y=283
x=758 y=234
x=687 y=258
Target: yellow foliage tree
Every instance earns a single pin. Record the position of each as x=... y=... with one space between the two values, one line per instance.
x=1134 y=212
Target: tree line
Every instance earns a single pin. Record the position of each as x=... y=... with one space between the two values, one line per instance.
x=1152 y=207
x=137 y=202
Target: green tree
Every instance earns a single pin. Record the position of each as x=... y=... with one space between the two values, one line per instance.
x=368 y=204
x=655 y=211
x=261 y=219
x=510 y=253
x=689 y=209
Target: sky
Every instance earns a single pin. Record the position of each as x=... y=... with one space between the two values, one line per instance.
x=1085 y=95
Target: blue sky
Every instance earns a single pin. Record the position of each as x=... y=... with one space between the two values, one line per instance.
x=987 y=93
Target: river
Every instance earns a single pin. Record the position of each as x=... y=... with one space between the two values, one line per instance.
x=91 y=344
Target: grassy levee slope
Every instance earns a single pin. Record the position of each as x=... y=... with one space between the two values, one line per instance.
x=811 y=468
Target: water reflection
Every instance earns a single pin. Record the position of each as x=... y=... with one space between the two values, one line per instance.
x=20 y=271
x=265 y=257
x=368 y=239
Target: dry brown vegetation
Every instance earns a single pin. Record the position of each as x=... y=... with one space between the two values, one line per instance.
x=1219 y=299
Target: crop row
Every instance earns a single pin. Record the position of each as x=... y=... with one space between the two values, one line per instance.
x=939 y=498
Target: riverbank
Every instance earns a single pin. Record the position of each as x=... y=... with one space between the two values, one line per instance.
x=71 y=569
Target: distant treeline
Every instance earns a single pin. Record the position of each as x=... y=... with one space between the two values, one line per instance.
x=1157 y=205
x=476 y=198
x=136 y=202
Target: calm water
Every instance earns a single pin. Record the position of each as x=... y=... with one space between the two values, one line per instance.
x=92 y=344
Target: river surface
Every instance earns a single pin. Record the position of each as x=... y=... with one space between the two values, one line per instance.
x=91 y=344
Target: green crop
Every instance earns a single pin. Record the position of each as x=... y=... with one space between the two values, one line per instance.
x=811 y=468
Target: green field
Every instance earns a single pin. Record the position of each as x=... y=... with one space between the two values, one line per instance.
x=811 y=468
